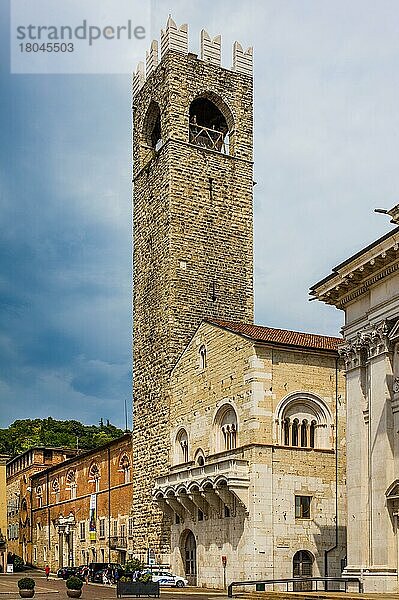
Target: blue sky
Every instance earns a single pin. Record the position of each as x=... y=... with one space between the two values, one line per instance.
x=326 y=147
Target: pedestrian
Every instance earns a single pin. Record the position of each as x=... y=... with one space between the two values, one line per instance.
x=109 y=575
x=116 y=575
x=86 y=574
x=47 y=571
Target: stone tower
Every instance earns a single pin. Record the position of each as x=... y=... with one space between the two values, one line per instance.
x=192 y=225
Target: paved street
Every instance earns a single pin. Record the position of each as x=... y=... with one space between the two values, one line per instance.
x=55 y=589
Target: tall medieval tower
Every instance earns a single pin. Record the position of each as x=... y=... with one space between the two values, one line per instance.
x=192 y=225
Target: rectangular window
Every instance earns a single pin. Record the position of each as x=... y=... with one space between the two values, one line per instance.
x=302 y=507
x=82 y=530
x=115 y=529
x=200 y=515
x=130 y=529
x=34 y=554
x=102 y=528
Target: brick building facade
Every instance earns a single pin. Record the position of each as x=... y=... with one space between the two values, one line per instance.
x=81 y=508
x=3 y=513
x=19 y=471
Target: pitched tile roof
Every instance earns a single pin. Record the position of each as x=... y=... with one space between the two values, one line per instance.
x=282 y=337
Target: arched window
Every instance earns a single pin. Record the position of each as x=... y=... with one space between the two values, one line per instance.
x=181 y=447
x=226 y=428
x=152 y=127
x=312 y=433
x=94 y=476
x=39 y=496
x=294 y=438
x=71 y=483
x=303 y=420
x=55 y=486
x=124 y=466
x=209 y=127
x=286 y=432
x=304 y=433
x=199 y=457
x=302 y=567
x=202 y=354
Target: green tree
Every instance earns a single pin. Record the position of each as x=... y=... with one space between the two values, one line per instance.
x=27 y=433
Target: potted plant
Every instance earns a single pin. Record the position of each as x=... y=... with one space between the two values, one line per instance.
x=142 y=586
x=74 y=587
x=26 y=587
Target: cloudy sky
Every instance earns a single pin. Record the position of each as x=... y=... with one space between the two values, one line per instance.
x=326 y=154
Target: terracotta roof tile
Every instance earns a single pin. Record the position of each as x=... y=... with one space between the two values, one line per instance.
x=280 y=336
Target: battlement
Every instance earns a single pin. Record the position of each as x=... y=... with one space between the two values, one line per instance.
x=176 y=38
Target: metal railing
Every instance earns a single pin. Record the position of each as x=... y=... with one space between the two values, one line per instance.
x=116 y=542
x=298 y=584
x=209 y=138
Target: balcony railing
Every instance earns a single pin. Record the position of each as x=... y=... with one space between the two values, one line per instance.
x=221 y=480
x=118 y=543
x=209 y=138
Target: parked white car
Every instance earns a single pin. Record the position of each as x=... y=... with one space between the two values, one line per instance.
x=166 y=578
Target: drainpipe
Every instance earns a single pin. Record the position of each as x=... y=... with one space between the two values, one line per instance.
x=326 y=552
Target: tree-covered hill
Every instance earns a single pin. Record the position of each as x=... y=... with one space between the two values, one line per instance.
x=26 y=433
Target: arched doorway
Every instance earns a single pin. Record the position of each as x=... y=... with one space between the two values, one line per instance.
x=302 y=568
x=190 y=558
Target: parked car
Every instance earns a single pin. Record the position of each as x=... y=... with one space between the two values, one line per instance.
x=97 y=576
x=95 y=568
x=80 y=571
x=166 y=578
x=66 y=572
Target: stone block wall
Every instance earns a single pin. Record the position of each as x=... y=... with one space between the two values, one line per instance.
x=192 y=246
x=261 y=540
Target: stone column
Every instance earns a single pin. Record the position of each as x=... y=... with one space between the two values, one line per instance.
x=381 y=444
x=357 y=451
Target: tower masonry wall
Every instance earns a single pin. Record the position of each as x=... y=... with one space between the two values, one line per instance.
x=193 y=246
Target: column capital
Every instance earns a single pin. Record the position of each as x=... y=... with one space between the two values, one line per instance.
x=372 y=341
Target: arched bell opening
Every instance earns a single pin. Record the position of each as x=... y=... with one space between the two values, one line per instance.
x=211 y=124
x=152 y=132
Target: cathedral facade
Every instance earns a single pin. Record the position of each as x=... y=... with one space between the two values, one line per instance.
x=239 y=430
x=366 y=287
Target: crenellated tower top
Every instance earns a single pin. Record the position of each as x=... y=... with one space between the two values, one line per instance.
x=175 y=38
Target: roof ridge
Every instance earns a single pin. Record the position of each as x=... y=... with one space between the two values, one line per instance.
x=243 y=323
